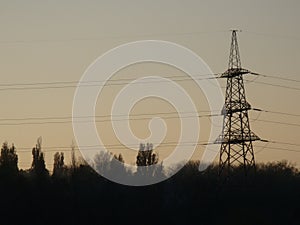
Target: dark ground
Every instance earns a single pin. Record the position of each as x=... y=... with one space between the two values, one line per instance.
x=80 y=196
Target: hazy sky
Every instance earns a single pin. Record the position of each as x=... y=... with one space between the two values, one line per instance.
x=49 y=41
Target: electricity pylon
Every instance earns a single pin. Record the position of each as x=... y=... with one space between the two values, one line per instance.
x=236 y=138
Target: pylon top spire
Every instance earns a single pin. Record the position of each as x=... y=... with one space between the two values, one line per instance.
x=234 y=65
x=234 y=57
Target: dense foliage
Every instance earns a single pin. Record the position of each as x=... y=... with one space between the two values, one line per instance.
x=78 y=195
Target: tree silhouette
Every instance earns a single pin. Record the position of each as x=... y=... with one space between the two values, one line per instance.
x=145 y=158
x=38 y=162
x=59 y=165
x=82 y=193
x=8 y=160
x=73 y=157
x=102 y=162
x=119 y=158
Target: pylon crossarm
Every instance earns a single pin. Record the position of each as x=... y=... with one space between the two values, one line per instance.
x=234 y=72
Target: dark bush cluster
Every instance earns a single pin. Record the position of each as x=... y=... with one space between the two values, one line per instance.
x=78 y=195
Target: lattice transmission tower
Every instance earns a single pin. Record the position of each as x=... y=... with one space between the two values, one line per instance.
x=236 y=138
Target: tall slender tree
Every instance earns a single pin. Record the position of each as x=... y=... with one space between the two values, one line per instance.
x=59 y=164
x=38 y=162
x=145 y=158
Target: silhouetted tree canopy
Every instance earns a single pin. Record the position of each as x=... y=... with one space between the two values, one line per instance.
x=59 y=164
x=146 y=156
x=81 y=196
x=8 y=160
x=38 y=166
x=119 y=158
x=147 y=162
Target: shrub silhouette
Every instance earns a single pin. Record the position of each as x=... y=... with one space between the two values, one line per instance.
x=82 y=196
x=38 y=166
x=8 y=160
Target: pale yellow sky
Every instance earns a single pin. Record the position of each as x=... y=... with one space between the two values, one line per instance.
x=46 y=41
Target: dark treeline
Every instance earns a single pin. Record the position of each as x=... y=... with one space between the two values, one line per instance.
x=76 y=194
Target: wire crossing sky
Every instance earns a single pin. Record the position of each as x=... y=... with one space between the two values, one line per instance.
x=45 y=47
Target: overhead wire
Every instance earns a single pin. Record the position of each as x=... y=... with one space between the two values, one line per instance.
x=105 y=116
x=284 y=143
x=281 y=149
x=13 y=86
x=110 y=37
x=124 y=81
x=101 y=121
x=132 y=117
x=136 y=119
x=262 y=148
x=280 y=78
x=272 y=35
x=161 y=145
x=211 y=75
x=275 y=85
x=102 y=83
x=276 y=112
x=278 y=148
x=110 y=146
x=278 y=122
x=33 y=86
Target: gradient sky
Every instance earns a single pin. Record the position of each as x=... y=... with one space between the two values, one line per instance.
x=48 y=41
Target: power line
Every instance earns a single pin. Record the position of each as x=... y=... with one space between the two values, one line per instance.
x=109 y=37
x=275 y=85
x=284 y=143
x=133 y=145
x=124 y=81
x=277 y=122
x=162 y=145
x=104 y=116
x=274 y=77
x=81 y=39
x=261 y=148
x=276 y=112
x=142 y=116
x=110 y=147
x=118 y=147
x=276 y=148
x=33 y=86
x=211 y=75
x=100 y=121
x=273 y=35
x=280 y=78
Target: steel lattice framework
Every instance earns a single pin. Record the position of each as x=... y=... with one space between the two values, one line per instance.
x=236 y=138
